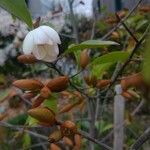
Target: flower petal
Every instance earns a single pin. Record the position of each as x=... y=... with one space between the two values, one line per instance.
x=40 y=51
x=28 y=43
x=51 y=33
x=40 y=37
x=52 y=52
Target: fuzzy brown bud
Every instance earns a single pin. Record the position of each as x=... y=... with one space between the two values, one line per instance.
x=58 y=84
x=28 y=84
x=27 y=59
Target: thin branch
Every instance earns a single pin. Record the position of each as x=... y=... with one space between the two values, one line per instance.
x=122 y=20
x=87 y=136
x=5 y=124
x=141 y=140
x=130 y=57
x=126 y=27
x=76 y=74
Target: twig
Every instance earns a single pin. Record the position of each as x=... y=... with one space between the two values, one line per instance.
x=122 y=20
x=130 y=57
x=129 y=31
x=76 y=74
x=5 y=124
x=141 y=140
x=87 y=136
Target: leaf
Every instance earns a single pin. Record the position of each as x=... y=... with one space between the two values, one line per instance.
x=77 y=56
x=18 y=8
x=18 y=120
x=89 y=44
x=103 y=126
x=51 y=103
x=31 y=121
x=98 y=70
x=26 y=140
x=112 y=57
x=141 y=24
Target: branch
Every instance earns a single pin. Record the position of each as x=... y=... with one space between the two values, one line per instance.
x=122 y=20
x=141 y=140
x=130 y=57
x=87 y=136
x=126 y=27
x=5 y=124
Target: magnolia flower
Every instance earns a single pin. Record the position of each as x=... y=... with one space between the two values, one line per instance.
x=42 y=42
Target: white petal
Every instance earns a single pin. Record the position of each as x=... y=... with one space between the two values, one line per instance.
x=51 y=33
x=52 y=52
x=28 y=43
x=40 y=51
x=40 y=37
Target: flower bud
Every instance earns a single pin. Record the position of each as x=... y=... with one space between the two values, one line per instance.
x=68 y=129
x=43 y=115
x=84 y=58
x=102 y=83
x=45 y=92
x=42 y=42
x=28 y=84
x=58 y=84
x=91 y=80
x=67 y=108
x=135 y=80
x=54 y=147
x=127 y=95
x=144 y=9
x=68 y=141
x=27 y=59
x=77 y=140
x=37 y=101
x=55 y=136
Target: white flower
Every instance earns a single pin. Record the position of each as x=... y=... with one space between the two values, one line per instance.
x=42 y=42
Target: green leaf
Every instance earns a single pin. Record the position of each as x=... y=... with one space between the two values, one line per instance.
x=112 y=57
x=51 y=103
x=26 y=140
x=19 y=9
x=31 y=121
x=77 y=56
x=98 y=70
x=141 y=24
x=18 y=120
x=89 y=44
x=103 y=126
